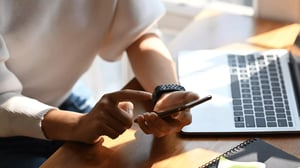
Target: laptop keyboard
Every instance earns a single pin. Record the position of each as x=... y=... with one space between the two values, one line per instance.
x=258 y=92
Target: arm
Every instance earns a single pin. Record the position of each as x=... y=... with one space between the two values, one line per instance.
x=153 y=65
x=19 y=115
x=151 y=62
x=24 y=116
x=111 y=116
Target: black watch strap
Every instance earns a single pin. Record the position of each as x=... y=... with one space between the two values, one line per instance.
x=161 y=89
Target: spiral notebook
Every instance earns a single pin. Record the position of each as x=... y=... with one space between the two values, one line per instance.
x=257 y=150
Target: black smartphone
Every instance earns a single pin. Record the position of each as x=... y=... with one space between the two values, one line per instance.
x=167 y=113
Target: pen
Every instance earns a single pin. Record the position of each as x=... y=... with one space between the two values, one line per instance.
x=164 y=114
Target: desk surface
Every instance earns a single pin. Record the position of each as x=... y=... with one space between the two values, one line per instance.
x=134 y=149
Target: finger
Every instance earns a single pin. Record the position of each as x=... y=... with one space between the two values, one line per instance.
x=185 y=96
x=127 y=107
x=157 y=126
x=118 y=114
x=123 y=114
x=116 y=125
x=175 y=99
x=184 y=117
x=125 y=95
x=119 y=127
x=179 y=115
x=143 y=124
x=128 y=95
x=111 y=132
x=181 y=96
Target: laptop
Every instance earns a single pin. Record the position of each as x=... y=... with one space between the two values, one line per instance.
x=253 y=92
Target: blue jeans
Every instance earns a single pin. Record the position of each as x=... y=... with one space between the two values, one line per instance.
x=26 y=152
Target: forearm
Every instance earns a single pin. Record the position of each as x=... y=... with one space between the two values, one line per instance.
x=153 y=65
x=61 y=125
x=152 y=62
x=21 y=116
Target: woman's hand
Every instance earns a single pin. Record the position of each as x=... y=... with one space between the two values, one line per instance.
x=111 y=116
x=150 y=123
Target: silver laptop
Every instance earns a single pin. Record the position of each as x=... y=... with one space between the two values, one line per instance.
x=252 y=91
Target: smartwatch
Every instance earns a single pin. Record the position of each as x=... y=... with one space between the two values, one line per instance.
x=161 y=89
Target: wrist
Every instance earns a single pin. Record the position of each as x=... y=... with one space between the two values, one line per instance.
x=60 y=125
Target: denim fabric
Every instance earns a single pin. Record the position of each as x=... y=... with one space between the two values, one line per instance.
x=26 y=152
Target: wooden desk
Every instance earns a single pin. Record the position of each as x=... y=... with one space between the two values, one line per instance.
x=134 y=149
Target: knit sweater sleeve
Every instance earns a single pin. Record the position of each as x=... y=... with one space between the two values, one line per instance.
x=19 y=115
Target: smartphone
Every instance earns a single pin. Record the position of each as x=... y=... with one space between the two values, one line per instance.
x=167 y=113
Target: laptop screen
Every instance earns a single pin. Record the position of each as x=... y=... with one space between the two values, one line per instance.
x=295 y=66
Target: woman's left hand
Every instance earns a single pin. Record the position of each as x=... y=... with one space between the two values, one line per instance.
x=150 y=123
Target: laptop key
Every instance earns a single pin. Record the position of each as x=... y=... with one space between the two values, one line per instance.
x=250 y=122
x=271 y=124
x=259 y=114
x=238 y=113
x=280 y=115
x=235 y=88
x=270 y=113
x=239 y=125
x=239 y=119
x=260 y=122
x=236 y=107
x=248 y=111
x=271 y=119
x=247 y=101
x=282 y=123
x=236 y=102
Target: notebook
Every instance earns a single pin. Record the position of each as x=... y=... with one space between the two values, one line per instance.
x=257 y=150
x=253 y=92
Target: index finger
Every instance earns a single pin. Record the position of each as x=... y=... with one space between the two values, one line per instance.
x=129 y=95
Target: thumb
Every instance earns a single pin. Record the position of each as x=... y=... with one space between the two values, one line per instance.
x=127 y=106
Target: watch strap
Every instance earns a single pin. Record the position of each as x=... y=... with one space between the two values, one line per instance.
x=165 y=88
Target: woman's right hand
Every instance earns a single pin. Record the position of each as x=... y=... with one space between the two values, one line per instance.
x=111 y=116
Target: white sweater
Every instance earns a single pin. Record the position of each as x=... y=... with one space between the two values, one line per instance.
x=46 y=45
